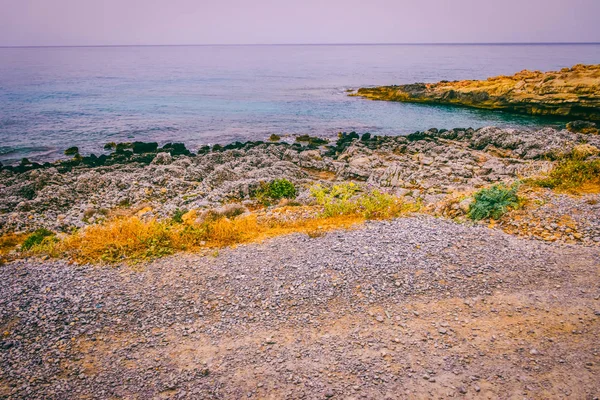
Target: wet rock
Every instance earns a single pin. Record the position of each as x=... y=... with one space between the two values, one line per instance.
x=71 y=151
x=143 y=147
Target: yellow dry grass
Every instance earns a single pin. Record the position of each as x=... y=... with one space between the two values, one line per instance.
x=132 y=239
x=9 y=242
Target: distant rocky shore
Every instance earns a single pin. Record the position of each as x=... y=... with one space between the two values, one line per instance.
x=424 y=166
x=571 y=92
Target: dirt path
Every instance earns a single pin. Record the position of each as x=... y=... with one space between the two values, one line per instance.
x=412 y=308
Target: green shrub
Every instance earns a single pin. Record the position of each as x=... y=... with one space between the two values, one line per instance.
x=493 y=202
x=282 y=188
x=275 y=190
x=274 y=138
x=36 y=238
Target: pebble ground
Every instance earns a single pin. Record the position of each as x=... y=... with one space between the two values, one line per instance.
x=412 y=308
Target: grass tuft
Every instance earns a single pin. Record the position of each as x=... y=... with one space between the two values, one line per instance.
x=8 y=243
x=348 y=198
x=573 y=175
x=36 y=238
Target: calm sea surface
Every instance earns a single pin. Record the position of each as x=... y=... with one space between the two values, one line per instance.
x=53 y=98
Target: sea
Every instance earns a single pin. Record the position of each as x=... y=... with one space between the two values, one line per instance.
x=52 y=98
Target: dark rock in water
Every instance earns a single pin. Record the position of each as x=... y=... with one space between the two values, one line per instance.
x=303 y=138
x=176 y=149
x=71 y=151
x=145 y=159
x=583 y=127
x=311 y=140
x=348 y=137
x=418 y=136
x=122 y=155
x=234 y=146
x=90 y=161
x=204 y=149
x=143 y=147
x=344 y=141
x=121 y=147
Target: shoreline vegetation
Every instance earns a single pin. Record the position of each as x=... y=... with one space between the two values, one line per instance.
x=143 y=202
x=569 y=93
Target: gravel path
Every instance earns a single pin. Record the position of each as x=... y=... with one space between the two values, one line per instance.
x=411 y=308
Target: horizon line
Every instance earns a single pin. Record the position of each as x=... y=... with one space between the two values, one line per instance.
x=309 y=44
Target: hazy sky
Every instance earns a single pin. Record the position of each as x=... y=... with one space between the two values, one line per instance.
x=101 y=22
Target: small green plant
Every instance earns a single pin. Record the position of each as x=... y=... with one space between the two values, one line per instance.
x=178 y=214
x=275 y=190
x=36 y=238
x=493 y=202
x=274 y=138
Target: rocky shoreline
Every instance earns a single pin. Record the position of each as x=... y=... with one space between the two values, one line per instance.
x=418 y=306
x=571 y=92
x=428 y=167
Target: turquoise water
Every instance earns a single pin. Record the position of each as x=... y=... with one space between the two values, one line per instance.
x=54 y=98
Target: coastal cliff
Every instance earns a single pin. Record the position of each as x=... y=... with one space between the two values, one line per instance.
x=571 y=92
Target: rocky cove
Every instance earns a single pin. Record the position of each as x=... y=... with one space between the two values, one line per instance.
x=437 y=168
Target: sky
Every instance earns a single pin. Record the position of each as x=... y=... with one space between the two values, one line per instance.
x=163 y=22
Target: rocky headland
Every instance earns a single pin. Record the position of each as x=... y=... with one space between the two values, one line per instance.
x=571 y=92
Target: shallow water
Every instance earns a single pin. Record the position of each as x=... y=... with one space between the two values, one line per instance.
x=54 y=98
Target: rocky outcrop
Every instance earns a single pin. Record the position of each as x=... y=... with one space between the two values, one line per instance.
x=422 y=166
x=571 y=92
